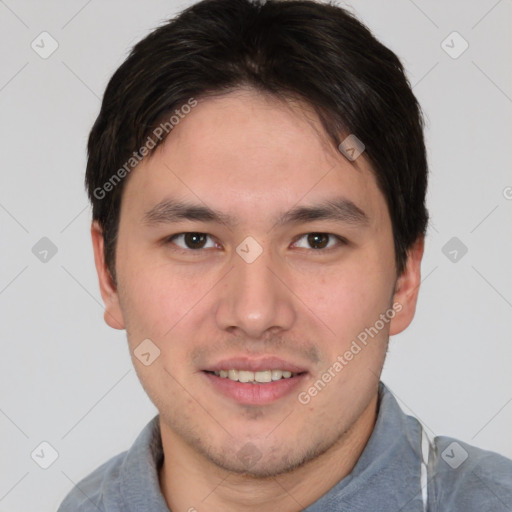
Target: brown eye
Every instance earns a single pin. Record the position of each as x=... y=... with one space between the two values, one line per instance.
x=318 y=241
x=192 y=241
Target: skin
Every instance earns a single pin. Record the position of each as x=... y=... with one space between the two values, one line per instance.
x=253 y=157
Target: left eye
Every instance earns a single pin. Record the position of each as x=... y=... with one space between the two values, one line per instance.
x=318 y=241
x=192 y=241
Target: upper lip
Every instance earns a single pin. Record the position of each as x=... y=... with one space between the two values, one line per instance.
x=255 y=365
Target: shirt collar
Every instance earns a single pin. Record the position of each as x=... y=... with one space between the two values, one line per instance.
x=140 y=486
x=386 y=476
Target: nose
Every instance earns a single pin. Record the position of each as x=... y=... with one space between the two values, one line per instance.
x=254 y=298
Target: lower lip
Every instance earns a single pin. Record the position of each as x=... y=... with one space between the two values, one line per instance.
x=255 y=394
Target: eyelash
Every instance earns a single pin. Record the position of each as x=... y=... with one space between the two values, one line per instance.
x=341 y=241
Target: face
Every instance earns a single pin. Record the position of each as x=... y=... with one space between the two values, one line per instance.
x=249 y=246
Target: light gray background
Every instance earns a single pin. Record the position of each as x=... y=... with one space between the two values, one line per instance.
x=66 y=378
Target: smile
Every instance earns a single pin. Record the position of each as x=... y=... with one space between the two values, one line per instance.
x=260 y=377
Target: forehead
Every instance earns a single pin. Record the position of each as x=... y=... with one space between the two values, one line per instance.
x=249 y=153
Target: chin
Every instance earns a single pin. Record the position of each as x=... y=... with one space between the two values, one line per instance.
x=267 y=462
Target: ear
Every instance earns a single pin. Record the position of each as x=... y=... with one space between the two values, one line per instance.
x=407 y=288
x=113 y=314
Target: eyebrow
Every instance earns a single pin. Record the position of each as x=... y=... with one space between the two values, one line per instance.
x=337 y=209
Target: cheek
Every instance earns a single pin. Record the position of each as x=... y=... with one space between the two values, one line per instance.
x=347 y=298
x=156 y=302
x=154 y=296
x=167 y=302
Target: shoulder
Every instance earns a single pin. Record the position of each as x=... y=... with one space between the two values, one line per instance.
x=126 y=482
x=90 y=493
x=468 y=478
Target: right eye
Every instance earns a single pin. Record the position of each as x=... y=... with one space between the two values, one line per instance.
x=190 y=241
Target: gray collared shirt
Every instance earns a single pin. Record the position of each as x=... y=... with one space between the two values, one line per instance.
x=387 y=477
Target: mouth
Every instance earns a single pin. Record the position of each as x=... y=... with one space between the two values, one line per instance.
x=255 y=382
x=261 y=377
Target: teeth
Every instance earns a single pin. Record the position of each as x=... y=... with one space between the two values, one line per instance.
x=265 y=376
x=253 y=377
x=276 y=374
x=244 y=376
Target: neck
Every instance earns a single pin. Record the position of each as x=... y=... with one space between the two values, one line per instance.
x=190 y=482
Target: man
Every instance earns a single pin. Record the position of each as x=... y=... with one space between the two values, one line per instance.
x=258 y=176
